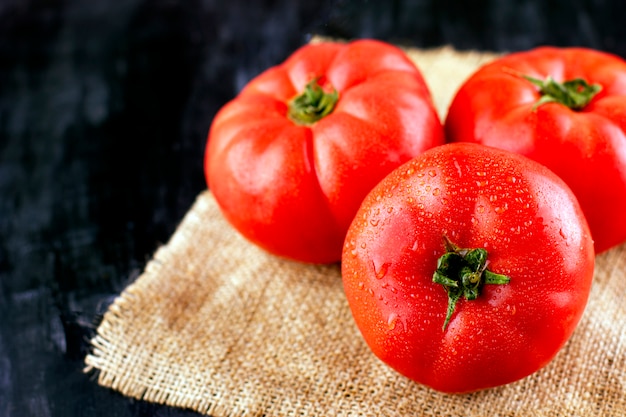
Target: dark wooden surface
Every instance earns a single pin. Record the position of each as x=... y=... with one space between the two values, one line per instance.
x=104 y=109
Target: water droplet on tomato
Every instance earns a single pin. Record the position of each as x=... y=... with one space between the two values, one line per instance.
x=432 y=173
x=436 y=192
x=392 y=320
x=562 y=233
x=374 y=222
x=381 y=270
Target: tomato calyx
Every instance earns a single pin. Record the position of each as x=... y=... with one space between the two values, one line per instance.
x=312 y=105
x=463 y=272
x=575 y=94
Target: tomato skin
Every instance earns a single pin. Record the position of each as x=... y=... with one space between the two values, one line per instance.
x=587 y=148
x=479 y=197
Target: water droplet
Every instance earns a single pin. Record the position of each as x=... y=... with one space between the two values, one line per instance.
x=382 y=270
x=361 y=285
x=501 y=209
x=389 y=209
x=363 y=245
x=432 y=173
x=374 y=222
x=436 y=192
x=415 y=246
x=480 y=208
x=562 y=233
x=392 y=320
x=512 y=179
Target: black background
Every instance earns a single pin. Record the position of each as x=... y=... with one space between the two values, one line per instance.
x=104 y=110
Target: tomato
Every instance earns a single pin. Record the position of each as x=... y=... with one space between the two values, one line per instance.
x=290 y=159
x=562 y=107
x=468 y=267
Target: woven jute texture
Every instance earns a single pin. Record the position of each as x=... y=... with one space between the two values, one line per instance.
x=216 y=325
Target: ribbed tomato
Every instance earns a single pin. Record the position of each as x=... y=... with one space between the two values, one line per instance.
x=290 y=159
x=562 y=107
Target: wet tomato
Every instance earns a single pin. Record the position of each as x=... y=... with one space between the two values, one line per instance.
x=468 y=267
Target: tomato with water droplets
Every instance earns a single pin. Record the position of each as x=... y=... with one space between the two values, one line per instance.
x=477 y=285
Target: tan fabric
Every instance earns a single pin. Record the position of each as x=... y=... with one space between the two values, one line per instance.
x=218 y=326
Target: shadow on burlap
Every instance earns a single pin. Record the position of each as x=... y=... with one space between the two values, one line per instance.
x=216 y=325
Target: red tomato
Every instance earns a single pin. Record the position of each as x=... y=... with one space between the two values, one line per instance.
x=290 y=159
x=468 y=267
x=565 y=108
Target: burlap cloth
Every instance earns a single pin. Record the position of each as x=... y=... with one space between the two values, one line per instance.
x=218 y=326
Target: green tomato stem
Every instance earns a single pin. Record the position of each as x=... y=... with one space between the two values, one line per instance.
x=575 y=94
x=463 y=272
x=312 y=105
